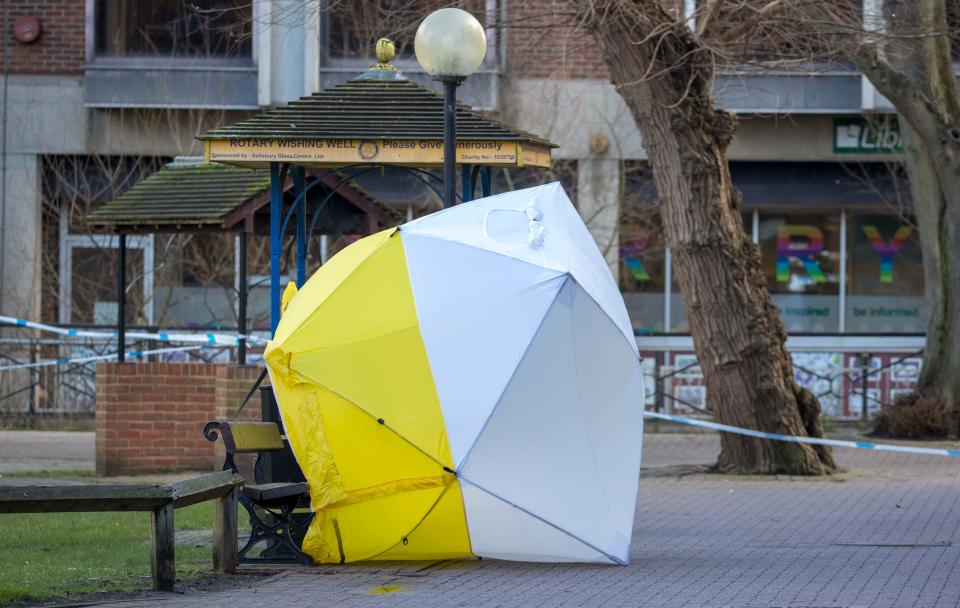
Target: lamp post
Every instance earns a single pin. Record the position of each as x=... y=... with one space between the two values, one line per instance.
x=450 y=45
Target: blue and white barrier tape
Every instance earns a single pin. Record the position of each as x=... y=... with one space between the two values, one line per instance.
x=208 y=338
x=863 y=445
x=90 y=359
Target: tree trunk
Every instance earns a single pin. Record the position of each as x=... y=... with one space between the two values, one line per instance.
x=914 y=70
x=939 y=236
x=663 y=74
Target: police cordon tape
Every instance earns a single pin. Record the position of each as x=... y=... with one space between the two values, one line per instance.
x=210 y=339
x=863 y=445
x=92 y=358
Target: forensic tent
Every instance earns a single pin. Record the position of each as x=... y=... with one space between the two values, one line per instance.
x=464 y=385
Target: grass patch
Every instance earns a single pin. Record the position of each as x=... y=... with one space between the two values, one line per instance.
x=46 y=555
x=51 y=474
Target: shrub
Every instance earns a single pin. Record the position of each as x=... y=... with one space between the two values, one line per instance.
x=912 y=416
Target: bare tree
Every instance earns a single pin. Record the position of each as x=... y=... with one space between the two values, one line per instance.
x=906 y=49
x=663 y=71
x=906 y=53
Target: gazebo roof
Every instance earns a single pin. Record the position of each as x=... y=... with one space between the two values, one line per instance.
x=184 y=193
x=378 y=117
x=189 y=194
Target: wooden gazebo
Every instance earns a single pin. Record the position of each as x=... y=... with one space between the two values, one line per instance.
x=190 y=195
x=380 y=118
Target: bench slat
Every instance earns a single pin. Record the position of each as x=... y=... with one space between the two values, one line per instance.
x=274 y=491
x=200 y=489
x=248 y=437
x=72 y=499
x=111 y=497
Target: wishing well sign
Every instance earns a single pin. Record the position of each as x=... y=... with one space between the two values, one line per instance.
x=425 y=152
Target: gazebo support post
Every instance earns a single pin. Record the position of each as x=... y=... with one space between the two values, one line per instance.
x=485 y=181
x=299 y=185
x=469 y=178
x=242 y=285
x=276 y=243
x=121 y=297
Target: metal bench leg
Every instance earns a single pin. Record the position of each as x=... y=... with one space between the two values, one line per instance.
x=275 y=530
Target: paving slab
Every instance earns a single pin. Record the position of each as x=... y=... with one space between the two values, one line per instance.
x=884 y=534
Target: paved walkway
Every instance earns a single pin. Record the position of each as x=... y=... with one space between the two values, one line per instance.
x=884 y=534
x=46 y=451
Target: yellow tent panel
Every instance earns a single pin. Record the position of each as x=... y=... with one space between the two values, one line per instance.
x=364 y=421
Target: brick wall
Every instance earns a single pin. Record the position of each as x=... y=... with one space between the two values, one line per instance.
x=150 y=416
x=60 y=48
x=544 y=41
x=544 y=44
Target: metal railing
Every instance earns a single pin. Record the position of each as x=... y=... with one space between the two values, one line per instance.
x=66 y=385
x=850 y=385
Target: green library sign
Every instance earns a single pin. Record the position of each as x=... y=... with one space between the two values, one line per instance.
x=877 y=135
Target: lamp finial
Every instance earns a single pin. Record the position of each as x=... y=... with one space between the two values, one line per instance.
x=386 y=51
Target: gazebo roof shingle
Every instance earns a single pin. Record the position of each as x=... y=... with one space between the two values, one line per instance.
x=373 y=106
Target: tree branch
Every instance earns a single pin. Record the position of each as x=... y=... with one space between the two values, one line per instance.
x=710 y=17
x=744 y=27
x=906 y=95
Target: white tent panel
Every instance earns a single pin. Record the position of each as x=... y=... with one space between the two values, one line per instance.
x=537 y=225
x=450 y=278
x=478 y=312
x=501 y=531
x=611 y=388
x=537 y=451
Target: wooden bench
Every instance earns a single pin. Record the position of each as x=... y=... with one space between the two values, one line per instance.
x=276 y=516
x=159 y=500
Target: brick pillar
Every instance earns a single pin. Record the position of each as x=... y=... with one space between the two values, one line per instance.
x=150 y=416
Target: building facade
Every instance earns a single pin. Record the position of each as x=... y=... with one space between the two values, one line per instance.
x=112 y=89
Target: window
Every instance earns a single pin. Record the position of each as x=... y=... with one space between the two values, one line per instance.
x=642 y=249
x=800 y=256
x=206 y=260
x=88 y=267
x=353 y=28
x=884 y=275
x=219 y=30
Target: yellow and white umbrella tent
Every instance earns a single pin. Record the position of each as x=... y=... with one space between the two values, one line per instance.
x=465 y=385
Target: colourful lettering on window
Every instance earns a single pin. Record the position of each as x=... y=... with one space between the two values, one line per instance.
x=630 y=253
x=802 y=243
x=887 y=249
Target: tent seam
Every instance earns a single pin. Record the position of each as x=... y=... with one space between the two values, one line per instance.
x=638 y=360
x=529 y=288
x=490 y=251
x=510 y=257
x=630 y=344
x=526 y=351
x=583 y=416
x=373 y=254
x=544 y=520
x=418 y=324
x=376 y=419
x=417 y=525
